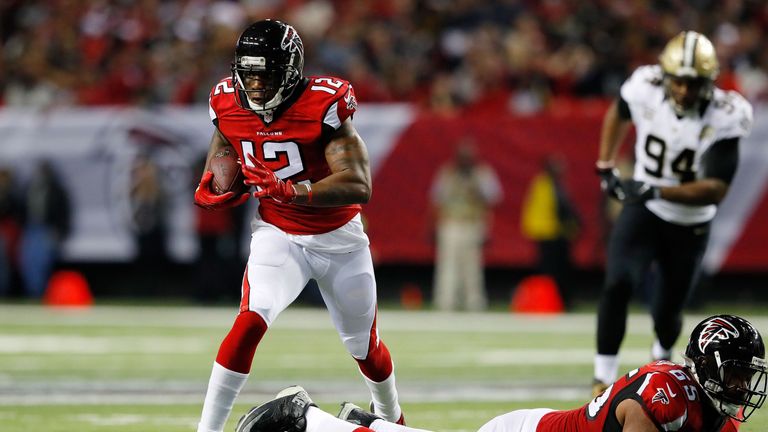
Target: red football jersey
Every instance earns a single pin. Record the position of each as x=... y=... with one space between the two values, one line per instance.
x=671 y=397
x=293 y=145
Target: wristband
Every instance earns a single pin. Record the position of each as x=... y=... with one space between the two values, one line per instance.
x=309 y=192
x=601 y=165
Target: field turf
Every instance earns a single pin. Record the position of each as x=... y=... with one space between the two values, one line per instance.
x=145 y=368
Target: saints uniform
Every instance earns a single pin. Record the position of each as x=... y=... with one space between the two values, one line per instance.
x=670 y=150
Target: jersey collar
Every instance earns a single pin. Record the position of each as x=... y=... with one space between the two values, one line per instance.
x=268 y=119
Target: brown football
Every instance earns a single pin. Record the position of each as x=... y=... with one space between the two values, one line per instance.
x=227 y=175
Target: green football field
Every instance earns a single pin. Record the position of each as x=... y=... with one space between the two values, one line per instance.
x=145 y=369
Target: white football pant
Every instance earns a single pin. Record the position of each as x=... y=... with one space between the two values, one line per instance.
x=279 y=268
x=516 y=421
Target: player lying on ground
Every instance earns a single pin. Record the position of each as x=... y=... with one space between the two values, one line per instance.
x=722 y=382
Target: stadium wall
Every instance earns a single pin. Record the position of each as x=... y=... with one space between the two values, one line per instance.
x=93 y=150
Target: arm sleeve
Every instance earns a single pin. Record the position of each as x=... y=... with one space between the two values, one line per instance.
x=642 y=81
x=212 y=112
x=664 y=401
x=735 y=117
x=721 y=159
x=623 y=108
x=342 y=109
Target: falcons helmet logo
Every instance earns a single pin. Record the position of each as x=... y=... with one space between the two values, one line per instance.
x=716 y=329
x=291 y=41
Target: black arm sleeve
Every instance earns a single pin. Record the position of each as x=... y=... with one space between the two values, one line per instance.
x=721 y=159
x=623 y=107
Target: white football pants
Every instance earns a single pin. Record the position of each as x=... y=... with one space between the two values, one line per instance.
x=516 y=421
x=279 y=268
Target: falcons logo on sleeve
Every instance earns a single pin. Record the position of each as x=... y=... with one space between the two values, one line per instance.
x=716 y=329
x=660 y=396
x=350 y=99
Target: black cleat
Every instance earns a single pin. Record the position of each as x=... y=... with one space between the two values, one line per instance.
x=285 y=413
x=400 y=421
x=354 y=414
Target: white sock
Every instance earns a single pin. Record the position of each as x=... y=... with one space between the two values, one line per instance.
x=658 y=352
x=606 y=368
x=223 y=388
x=384 y=395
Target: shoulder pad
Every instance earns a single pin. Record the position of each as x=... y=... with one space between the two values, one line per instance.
x=641 y=83
x=221 y=98
x=732 y=114
x=665 y=400
x=336 y=95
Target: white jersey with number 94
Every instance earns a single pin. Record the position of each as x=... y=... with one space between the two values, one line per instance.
x=669 y=149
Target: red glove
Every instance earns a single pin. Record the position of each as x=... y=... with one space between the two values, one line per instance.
x=269 y=184
x=208 y=200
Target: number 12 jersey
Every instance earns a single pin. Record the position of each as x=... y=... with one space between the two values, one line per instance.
x=292 y=145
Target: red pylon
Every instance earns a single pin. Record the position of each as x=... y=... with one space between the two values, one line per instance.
x=68 y=288
x=537 y=294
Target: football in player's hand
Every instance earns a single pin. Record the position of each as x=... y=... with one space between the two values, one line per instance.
x=227 y=175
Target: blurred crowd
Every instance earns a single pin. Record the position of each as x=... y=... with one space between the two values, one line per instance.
x=517 y=55
x=35 y=220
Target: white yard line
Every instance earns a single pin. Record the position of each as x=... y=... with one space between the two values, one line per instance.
x=320 y=392
x=69 y=344
x=33 y=349
x=318 y=319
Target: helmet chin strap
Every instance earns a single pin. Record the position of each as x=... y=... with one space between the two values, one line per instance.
x=261 y=109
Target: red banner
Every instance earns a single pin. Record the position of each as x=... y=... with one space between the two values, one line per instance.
x=399 y=217
x=399 y=221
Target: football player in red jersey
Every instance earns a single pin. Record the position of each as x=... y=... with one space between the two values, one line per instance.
x=722 y=382
x=295 y=138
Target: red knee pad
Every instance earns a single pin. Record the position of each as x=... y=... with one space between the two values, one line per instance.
x=237 y=350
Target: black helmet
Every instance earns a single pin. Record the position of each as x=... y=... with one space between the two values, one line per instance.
x=272 y=50
x=727 y=356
